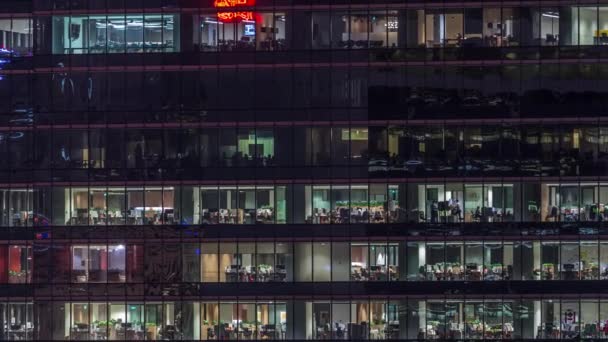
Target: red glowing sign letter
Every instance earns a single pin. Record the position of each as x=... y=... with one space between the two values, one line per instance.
x=232 y=17
x=233 y=3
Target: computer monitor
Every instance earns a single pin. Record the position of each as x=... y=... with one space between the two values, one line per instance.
x=249 y=30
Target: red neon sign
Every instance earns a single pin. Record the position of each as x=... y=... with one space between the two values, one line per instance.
x=237 y=16
x=232 y=17
x=233 y=3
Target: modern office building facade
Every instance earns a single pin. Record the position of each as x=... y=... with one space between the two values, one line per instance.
x=298 y=169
